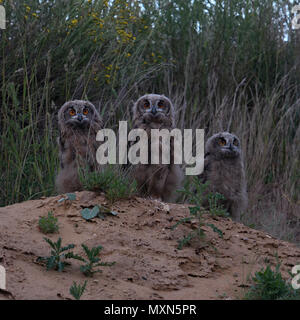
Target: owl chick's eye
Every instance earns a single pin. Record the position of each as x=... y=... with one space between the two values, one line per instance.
x=85 y=111
x=146 y=104
x=222 y=142
x=235 y=142
x=161 y=104
x=72 y=112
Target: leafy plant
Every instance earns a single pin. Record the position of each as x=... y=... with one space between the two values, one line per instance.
x=58 y=255
x=67 y=200
x=113 y=181
x=77 y=290
x=96 y=211
x=198 y=195
x=269 y=285
x=92 y=261
x=48 y=224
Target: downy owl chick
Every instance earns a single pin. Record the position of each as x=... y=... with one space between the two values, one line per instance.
x=160 y=181
x=78 y=123
x=224 y=170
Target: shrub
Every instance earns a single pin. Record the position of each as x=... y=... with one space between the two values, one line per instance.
x=268 y=284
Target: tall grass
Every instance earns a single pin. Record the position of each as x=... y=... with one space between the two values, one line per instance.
x=226 y=65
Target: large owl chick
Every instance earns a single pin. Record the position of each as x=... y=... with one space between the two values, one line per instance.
x=78 y=123
x=224 y=171
x=159 y=181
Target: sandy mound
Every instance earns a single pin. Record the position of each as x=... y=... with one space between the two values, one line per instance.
x=140 y=241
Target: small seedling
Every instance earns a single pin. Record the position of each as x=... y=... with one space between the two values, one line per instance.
x=58 y=256
x=96 y=211
x=215 y=208
x=269 y=285
x=89 y=214
x=198 y=198
x=48 y=224
x=92 y=260
x=67 y=199
x=77 y=290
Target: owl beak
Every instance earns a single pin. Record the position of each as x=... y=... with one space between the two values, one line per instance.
x=153 y=110
x=79 y=117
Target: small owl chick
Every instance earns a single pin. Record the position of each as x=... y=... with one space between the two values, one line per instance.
x=78 y=123
x=160 y=181
x=224 y=170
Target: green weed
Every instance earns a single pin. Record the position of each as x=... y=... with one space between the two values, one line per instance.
x=77 y=290
x=48 y=224
x=269 y=284
x=59 y=255
x=197 y=195
x=92 y=261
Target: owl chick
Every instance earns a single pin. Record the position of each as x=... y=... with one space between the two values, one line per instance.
x=224 y=170
x=78 y=123
x=158 y=181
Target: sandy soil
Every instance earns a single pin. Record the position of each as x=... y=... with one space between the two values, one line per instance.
x=140 y=240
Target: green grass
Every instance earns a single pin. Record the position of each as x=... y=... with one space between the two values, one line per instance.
x=115 y=182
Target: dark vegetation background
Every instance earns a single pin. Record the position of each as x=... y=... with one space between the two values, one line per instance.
x=226 y=65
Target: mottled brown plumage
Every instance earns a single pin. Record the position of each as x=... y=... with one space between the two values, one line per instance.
x=78 y=123
x=158 y=181
x=224 y=170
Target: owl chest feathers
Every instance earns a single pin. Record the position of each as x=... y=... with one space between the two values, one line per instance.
x=78 y=145
x=148 y=127
x=226 y=176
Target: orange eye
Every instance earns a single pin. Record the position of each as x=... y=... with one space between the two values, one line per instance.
x=146 y=104
x=85 y=111
x=72 y=112
x=161 y=104
x=222 y=142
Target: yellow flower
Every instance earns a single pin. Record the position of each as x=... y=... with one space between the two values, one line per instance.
x=35 y=15
x=128 y=54
x=107 y=76
x=74 y=21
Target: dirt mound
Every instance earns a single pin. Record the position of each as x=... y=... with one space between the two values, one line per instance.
x=140 y=240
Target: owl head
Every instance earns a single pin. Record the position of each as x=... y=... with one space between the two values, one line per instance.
x=223 y=145
x=78 y=114
x=154 y=108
